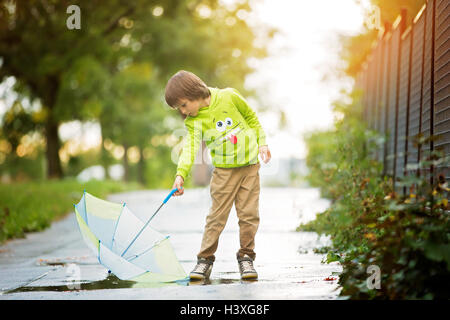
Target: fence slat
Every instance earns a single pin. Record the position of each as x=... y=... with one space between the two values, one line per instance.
x=403 y=104
x=415 y=104
x=442 y=84
x=406 y=91
x=392 y=100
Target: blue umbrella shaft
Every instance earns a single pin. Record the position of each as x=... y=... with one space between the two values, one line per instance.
x=146 y=224
x=140 y=231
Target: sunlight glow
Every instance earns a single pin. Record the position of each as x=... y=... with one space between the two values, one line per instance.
x=305 y=50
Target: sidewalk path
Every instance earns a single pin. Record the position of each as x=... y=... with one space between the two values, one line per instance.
x=42 y=265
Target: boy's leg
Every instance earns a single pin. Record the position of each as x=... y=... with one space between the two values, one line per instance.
x=247 y=209
x=223 y=187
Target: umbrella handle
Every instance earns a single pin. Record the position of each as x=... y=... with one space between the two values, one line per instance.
x=146 y=224
x=170 y=194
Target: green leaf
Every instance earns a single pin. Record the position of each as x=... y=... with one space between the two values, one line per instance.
x=437 y=252
x=331 y=257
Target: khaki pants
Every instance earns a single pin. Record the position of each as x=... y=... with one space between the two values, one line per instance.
x=239 y=186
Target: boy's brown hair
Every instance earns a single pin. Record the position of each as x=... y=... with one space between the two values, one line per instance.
x=185 y=85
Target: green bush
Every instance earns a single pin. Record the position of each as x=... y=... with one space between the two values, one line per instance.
x=406 y=236
x=32 y=206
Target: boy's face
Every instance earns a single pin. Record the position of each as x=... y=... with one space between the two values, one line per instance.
x=190 y=108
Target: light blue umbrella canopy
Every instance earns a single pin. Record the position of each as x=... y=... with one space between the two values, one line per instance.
x=126 y=245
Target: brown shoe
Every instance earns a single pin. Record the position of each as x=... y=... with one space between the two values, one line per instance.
x=202 y=270
x=246 y=268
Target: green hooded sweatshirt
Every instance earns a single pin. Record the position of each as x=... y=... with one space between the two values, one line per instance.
x=229 y=128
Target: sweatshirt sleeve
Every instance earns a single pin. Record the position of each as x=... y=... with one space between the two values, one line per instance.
x=190 y=148
x=249 y=116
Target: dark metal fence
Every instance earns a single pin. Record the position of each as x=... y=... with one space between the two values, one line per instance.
x=406 y=90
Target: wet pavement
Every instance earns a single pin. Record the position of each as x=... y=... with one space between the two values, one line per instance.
x=56 y=264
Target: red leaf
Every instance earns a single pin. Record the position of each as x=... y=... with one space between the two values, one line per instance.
x=330 y=279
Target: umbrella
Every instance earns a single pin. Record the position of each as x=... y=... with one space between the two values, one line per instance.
x=123 y=243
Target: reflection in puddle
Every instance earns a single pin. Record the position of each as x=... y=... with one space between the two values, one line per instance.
x=111 y=282
x=64 y=262
x=219 y=281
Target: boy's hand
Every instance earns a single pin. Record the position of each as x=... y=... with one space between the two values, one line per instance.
x=178 y=183
x=264 y=152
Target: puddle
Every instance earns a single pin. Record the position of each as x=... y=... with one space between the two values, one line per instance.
x=219 y=281
x=111 y=282
x=52 y=264
x=62 y=262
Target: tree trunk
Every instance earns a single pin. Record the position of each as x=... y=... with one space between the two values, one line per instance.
x=104 y=155
x=54 y=169
x=141 y=167
x=126 y=166
x=105 y=162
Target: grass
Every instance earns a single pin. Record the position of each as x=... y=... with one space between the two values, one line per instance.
x=32 y=206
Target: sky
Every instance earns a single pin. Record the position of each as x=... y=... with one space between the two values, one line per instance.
x=289 y=79
x=304 y=50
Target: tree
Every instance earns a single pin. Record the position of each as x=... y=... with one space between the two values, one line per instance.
x=133 y=115
x=41 y=53
x=70 y=71
x=355 y=49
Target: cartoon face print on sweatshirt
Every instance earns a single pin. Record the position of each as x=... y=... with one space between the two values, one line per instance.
x=229 y=137
x=226 y=127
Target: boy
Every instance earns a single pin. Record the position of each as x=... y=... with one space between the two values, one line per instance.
x=232 y=132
